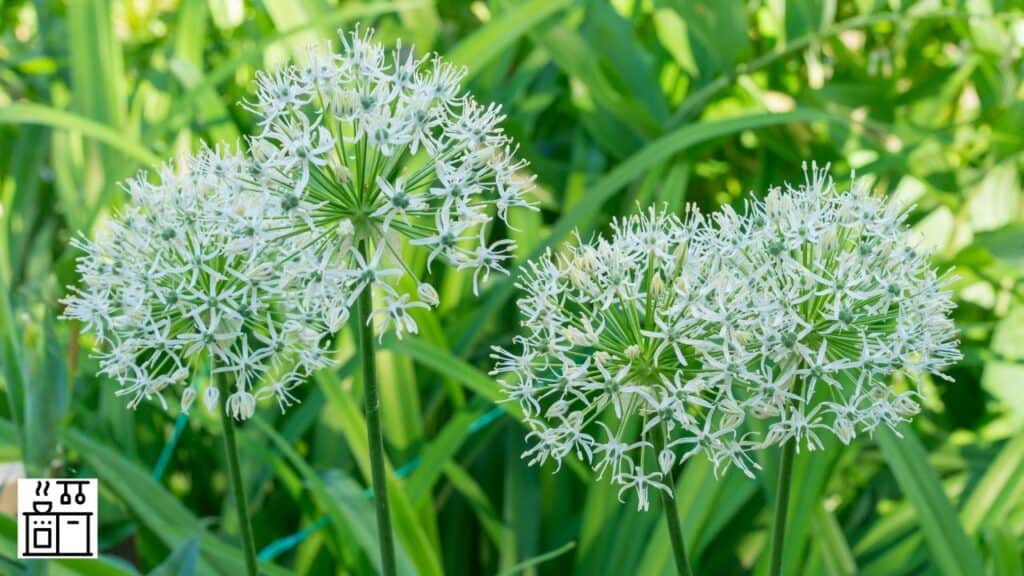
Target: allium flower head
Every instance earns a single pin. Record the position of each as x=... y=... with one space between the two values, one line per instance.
x=672 y=337
x=185 y=277
x=380 y=147
x=838 y=306
x=617 y=332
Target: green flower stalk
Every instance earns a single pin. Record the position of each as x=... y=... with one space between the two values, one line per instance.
x=374 y=155
x=838 y=306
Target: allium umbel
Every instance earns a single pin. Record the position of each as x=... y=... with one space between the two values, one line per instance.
x=838 y=307
x=375 y=147
x=613 y=351
x=799 y=313
x=186 y=276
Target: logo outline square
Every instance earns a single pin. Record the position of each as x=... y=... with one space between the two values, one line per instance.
x=58 y=518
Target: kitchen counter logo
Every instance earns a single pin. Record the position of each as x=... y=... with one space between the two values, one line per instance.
x=57 y=518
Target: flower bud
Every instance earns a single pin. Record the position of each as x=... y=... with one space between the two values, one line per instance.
x=844 y=429
x=428 y=295
x=210 y=398
x=188 y=397
x=557 y=409
x=241 y=405
x=337 y=316
x=666 y=459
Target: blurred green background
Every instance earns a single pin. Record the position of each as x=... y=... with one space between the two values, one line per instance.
x=616 y=105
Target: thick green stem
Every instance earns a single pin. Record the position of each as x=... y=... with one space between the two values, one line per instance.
x=237 y=486
x=782 y=496
x=781 y=507
x=373 y=426
x=668 y=502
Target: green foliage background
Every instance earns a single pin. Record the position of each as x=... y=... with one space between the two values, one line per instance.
x=615 y=104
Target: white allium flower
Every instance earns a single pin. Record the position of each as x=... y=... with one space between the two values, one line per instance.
x=799 y=313
x=838 y=302
x=191 y=273
x=373 y=153
x=617 y=332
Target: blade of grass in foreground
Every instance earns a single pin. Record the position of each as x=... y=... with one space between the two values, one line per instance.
x=527 y=564
x=832 y=546
x=38 y=114
x=477 y=49
x=952 y=552
x=159 y=510
x=409 y=526
x=343 y=503
x=998 y=490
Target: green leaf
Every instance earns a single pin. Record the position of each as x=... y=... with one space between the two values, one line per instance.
x=187 y=63
x=705 y=504
x=717 y=31
x=571 y=53
x=160 y=511
x=951 y=550
x=1004 y=551
x=46 y=401
x=998 y=490
x=442 y=362
x=441 y=449
x=811 y=471
x=540 y=559
x=343 y=502
x=446 y=364
x=1005 y=243
x=832 y=544
x=409 y=527
x=477 y=500
x=98 y=90
x=21 y=198
x=184 y=561
x=38 y=114
x=480 y=47
x=11 y=356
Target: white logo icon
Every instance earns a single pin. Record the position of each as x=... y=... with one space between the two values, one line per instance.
x=57 y=518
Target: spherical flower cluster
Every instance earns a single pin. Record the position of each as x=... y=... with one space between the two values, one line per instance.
x=839 y=305
x=374 y=153
x=722 y=337
x=618 y=364
x=190 y=275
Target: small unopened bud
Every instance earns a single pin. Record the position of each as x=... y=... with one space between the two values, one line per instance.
x=428 y=295
x=557 y=409
x=210 y=398
x=188 y=397
x=843 y=429
x=336 y=318
x=666 y=460
x=905 y=406
x=657 y=285
x=240 y=405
